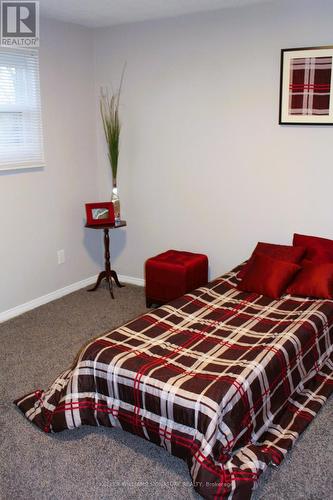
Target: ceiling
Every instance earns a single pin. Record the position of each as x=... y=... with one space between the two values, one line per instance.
x=98 y=13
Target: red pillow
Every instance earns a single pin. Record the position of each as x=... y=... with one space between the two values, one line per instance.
x=317 y=249
x=314 y=280
x=280 y=252
x=268 y=276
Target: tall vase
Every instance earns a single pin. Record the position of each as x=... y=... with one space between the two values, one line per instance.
x=115 y=200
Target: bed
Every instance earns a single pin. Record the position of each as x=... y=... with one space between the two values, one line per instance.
x=223 y=379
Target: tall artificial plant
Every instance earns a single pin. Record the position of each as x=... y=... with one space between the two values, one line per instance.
x=109 y=107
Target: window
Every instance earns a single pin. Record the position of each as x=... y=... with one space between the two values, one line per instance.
x=21 y=141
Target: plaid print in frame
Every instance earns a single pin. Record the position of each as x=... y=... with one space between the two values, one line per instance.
x=309 y=89
x=306 y=86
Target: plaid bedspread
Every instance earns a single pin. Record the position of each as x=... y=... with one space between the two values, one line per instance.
x=223 y=379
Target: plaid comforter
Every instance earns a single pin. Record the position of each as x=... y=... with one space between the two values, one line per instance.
x=224 y=379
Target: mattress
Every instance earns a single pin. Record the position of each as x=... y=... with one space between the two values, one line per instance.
x=223 y=379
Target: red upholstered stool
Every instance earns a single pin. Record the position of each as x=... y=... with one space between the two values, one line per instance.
x=172 y=274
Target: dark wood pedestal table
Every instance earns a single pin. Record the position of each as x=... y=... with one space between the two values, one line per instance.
x=108 y=273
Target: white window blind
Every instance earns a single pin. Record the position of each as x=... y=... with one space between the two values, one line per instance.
x=21 y=140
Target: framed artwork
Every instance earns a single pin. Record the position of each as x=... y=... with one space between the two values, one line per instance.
x=306 y=86
x=100 y=213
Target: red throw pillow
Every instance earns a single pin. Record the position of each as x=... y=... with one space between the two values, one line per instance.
x=318 y=250
x=314 y=280
x=268 y=276
x=286 y=253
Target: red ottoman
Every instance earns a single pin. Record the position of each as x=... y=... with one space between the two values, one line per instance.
x=172 y=274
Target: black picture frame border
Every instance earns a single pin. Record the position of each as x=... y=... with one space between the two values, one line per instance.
x=295 y=49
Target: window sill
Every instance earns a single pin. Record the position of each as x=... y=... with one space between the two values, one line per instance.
x=21 y=166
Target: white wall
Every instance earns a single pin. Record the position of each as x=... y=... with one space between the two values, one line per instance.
x=42 y=211
x=204 y=165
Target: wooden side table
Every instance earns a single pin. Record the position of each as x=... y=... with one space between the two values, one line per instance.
x=108 y=273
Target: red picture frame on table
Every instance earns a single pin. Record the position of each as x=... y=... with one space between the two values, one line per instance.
x=100 y=213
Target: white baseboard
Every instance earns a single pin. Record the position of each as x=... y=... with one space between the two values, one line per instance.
x=131 y=281
x=57 y=294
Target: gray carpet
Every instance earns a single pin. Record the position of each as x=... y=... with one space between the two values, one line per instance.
x=97 y=463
